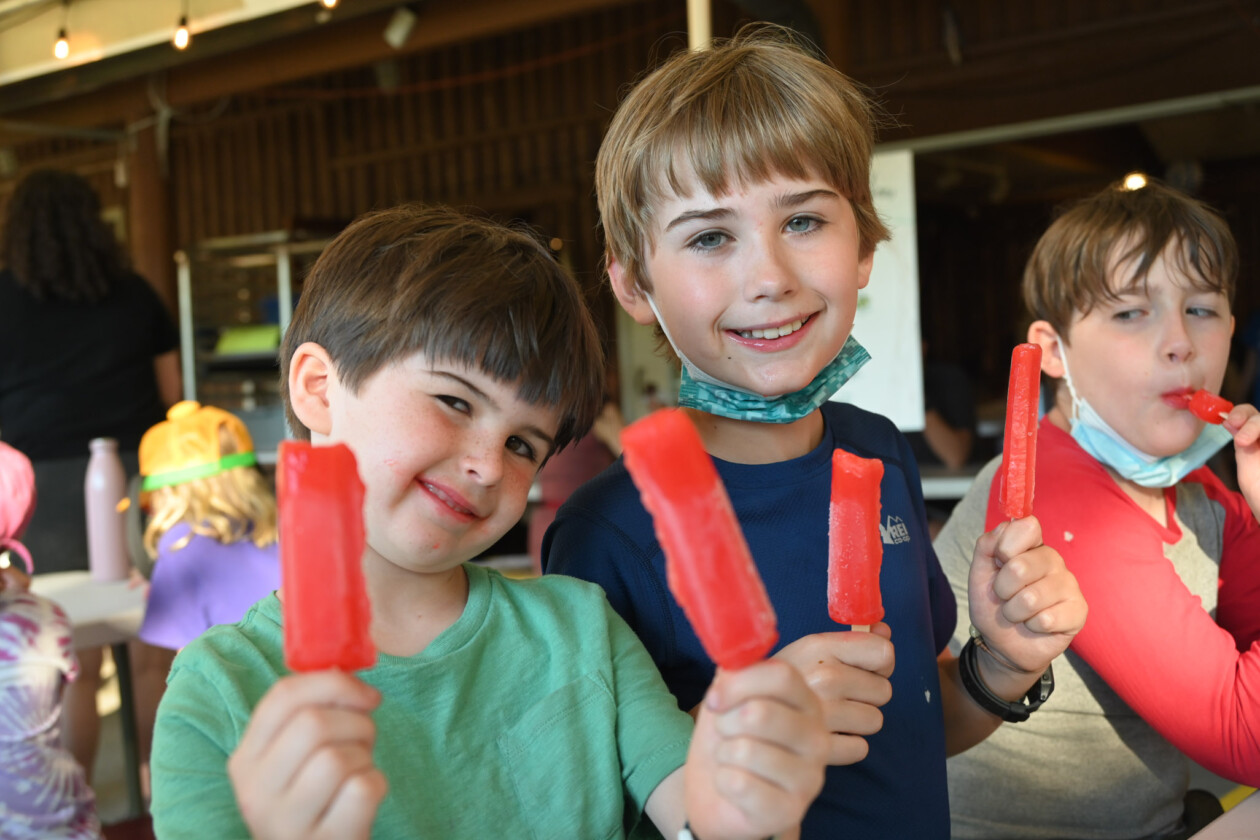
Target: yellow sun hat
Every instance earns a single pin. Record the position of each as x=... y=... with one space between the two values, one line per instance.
x=185 y=446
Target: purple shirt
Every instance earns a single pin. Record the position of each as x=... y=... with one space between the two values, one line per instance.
x=204 y=583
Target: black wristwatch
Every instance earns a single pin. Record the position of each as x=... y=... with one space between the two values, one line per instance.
x=1012 y=712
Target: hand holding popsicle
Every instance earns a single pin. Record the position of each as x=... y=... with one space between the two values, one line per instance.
x=1243 y=422
x=304 y=768
x=1024 y=602
x=757 y=754
x=707 y=563
x=849 y=673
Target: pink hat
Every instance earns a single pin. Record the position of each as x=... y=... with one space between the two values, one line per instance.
x=17 y=500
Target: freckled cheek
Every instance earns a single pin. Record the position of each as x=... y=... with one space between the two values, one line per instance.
x=517 y=495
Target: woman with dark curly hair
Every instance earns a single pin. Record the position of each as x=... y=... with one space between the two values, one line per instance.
x=87 y=350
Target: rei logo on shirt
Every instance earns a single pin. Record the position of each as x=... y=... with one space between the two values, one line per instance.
x=894 y=531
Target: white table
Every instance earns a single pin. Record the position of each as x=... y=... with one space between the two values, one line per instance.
x=945 y=482
x=105 y=614
x=102 y=613
x=1242 y=822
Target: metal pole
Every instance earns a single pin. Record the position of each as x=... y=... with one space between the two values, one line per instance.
x=284 y=285
x=187 y=346
x=699 y=24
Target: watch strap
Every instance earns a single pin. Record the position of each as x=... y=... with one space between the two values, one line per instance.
x=1011 y=711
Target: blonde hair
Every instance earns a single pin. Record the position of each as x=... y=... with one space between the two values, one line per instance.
x=754 y=106
x=231 y=506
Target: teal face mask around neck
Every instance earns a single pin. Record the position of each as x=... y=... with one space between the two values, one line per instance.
x=706 y=393
x=1104 y=444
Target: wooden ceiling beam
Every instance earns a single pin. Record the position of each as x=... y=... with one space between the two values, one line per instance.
x=329 y=48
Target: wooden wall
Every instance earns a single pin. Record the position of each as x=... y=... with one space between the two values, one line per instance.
x=955 y=65
x=511 y=123
x=959 y=65
x=508 y=125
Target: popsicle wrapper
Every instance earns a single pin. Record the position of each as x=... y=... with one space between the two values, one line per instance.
x=707 y=563
x=1019 y=447
x=1207 y=406
x=856 y=548
x=327 y=616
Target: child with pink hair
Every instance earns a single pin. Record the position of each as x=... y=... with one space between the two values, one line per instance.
x=43 y=791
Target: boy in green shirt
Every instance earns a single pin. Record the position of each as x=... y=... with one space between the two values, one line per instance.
x=454 y=356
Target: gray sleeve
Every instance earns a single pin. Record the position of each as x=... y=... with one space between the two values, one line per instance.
x=956 y=542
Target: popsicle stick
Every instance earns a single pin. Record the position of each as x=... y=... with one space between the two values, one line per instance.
x=861 y=628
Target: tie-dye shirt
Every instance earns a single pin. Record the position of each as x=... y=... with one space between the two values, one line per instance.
x=43 y=792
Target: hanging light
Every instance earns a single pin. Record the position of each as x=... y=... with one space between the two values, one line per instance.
x=61 y=48
x=182 y=38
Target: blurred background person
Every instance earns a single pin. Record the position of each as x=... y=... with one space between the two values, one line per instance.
x=87 y=350
x=43 y=792
x=211 y=530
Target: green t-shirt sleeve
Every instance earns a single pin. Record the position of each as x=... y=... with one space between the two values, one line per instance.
x=652 y=732
x=197 y=728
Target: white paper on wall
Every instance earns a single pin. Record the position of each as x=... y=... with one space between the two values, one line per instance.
x=887 y=321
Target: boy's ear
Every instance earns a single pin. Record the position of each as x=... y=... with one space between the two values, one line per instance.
x=311 y=376
x=1041 y=332
x=865 y=264
x=629 y=295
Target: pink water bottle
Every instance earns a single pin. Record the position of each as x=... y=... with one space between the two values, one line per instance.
x=104 y=487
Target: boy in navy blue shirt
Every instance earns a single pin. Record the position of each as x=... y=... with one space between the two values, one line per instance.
x=734 y=192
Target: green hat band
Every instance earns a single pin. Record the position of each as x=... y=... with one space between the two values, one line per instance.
x=227 y=462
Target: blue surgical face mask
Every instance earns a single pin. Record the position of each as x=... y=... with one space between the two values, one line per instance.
x=1106 y=445
x=711 y=395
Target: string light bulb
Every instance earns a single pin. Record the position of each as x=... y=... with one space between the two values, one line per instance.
x=61 y=48
x=182 y=37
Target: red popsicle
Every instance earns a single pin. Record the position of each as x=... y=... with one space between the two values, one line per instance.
x=1207 y=406
x=327 y=617
x=1019 y=447
x=856 y=549
x=707 y=563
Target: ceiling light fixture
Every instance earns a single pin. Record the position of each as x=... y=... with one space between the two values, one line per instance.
x=182 y=38
x=61 y=48
x=399 y=28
